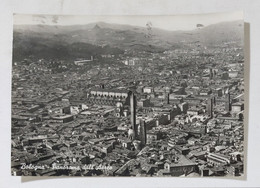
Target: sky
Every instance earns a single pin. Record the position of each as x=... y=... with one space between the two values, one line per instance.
x=171 y=22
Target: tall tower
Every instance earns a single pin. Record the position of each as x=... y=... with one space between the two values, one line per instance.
x=210 y=107
x=142 y=135
x=227 y=102
x=133 y=112
x=210 y=73
x=167 y=98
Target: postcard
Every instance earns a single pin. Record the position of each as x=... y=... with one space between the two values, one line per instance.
x=144 y=96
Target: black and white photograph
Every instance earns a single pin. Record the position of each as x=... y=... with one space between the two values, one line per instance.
x=130 y=95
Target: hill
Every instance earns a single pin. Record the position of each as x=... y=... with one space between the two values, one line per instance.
x=101 y=38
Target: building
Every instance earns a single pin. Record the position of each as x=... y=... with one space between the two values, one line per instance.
x=217 y=159
x=83 y=62
x=184 y=107
x=237 y=107
x=179 y=166
x=108 y=97
x=233 y=74
x=62 y=118
x=148 y=90
x=205 y=92
x=152 y=136
x=143 y=103
x=194 y=111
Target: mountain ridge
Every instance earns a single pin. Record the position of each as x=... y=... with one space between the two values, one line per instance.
x=118 y=37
